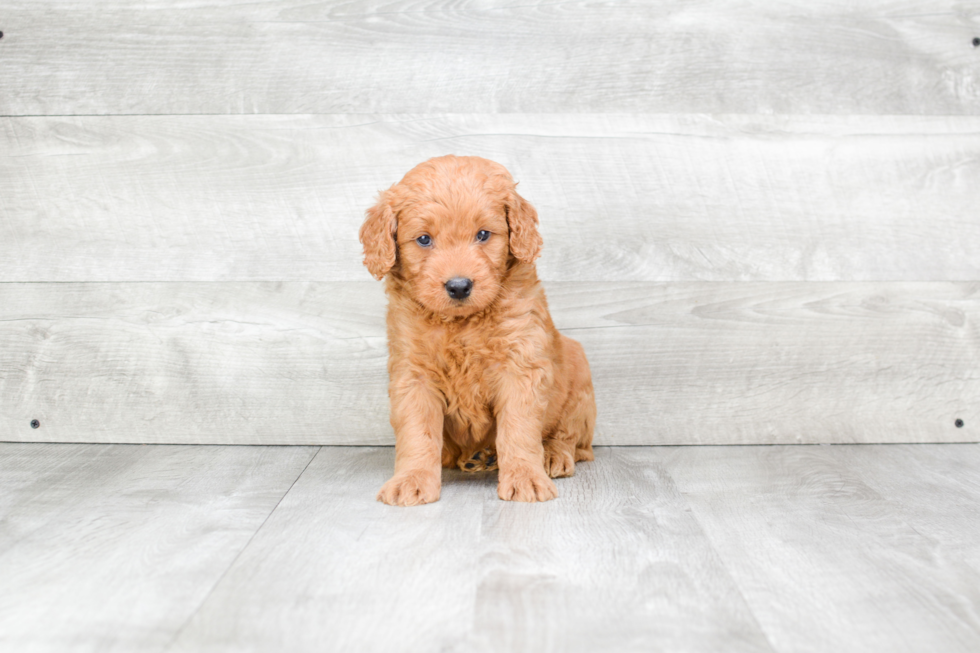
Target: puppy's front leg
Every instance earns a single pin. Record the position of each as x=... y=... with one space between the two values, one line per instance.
x=417 y=416
x=520 y=452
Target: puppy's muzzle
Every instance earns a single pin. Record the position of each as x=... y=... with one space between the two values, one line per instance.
x=459 y=288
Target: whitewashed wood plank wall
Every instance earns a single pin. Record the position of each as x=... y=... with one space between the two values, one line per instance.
x=763 y=222
x=634 y=197
x=113 y=57
x=689 y=362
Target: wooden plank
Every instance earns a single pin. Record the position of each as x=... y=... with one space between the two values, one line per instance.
x=42 y=482
x=615 y=563
x=193 y=363
x=304 y=363
x=230 y=57
x=637 y=198
x=825 y=561
x=845 y=548
x=935 y=489
x=765 y=363
x=619 y=564
x=113 y=548
x=332 y=560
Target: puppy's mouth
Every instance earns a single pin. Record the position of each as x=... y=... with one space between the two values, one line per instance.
x=460 y=310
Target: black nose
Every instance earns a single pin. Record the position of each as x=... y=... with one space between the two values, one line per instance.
x=459 y=288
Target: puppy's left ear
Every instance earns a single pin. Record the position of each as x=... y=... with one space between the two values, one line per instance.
x=377 y=235
x=522 y=221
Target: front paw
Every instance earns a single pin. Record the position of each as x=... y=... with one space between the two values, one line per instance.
x=412 y=488
x=526 y=484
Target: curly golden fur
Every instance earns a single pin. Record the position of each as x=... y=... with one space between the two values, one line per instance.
x=478 y=366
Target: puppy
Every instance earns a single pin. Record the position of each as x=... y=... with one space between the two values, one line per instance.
x=477 y=370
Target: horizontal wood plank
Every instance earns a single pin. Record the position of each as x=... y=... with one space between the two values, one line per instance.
x=621 y=198
x=196 y=363
x=304 y=363
x=228 y=57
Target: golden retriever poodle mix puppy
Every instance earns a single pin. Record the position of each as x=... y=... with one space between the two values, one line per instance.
x=478 y=375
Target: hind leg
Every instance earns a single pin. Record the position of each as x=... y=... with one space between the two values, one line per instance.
x=572 y=440
x=559 y=458
x=584 y=455
x=585 y=422
x=450 y=452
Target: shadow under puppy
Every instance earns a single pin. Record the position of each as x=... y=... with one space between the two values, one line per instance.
x=475 y=362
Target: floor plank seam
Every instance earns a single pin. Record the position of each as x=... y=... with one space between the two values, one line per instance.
x=238 y=555
x=723 y=564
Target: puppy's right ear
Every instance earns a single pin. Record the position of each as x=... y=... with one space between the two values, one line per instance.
x=378 y=237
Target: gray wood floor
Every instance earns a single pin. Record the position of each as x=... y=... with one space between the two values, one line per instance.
x=763 y=548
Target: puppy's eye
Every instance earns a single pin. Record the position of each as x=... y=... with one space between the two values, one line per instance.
x=424 y=240
x=483 y=235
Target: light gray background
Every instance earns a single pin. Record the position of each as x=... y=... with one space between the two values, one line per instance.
x=762 y=221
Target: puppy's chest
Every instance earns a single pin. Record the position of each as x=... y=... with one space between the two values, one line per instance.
x=462 y=365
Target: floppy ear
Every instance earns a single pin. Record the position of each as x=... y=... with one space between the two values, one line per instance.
x=378 y=237
x=522 y=221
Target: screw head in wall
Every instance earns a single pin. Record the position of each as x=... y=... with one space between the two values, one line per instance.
x=976 y=41
x=35 y=423
x=959 y=423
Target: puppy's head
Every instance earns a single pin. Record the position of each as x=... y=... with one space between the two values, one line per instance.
x=449 y=230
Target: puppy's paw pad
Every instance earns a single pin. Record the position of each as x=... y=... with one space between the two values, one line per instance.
x=410 y=489
x=558 y=462
x=526 y=486
x=484 y=460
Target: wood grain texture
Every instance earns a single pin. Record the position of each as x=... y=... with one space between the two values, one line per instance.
x=620 y=565
x=701 y=549
x=113 y=548
x=935 y=490
x=196 y=363
x=786 y=363
x=616 y=563
x=333 y=560
x=304 y=363
x=818 y=551
x=637 y=198
x=882 y=57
